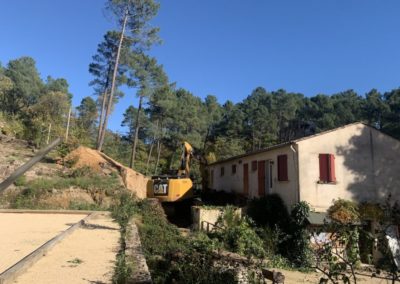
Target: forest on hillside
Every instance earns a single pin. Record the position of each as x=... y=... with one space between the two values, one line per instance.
x=35 y=109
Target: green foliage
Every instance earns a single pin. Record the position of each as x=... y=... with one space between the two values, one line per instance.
x=11 y=126
x=124 y=210
x=75 y=205
x=86 y=121
x=285 y=237
x=237 y=235
x=64 y=149
x=296 y=247
x=122 y=270
x=27 y=85
x=20 y=181
x=268 y=211
x=173 y=258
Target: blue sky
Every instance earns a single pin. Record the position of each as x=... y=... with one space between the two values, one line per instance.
x=221 y=47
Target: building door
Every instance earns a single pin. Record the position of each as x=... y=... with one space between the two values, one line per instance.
x=268 y=176
x=246 y=179
x=261 y=178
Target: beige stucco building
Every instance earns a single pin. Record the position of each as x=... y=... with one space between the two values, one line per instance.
x=355 y=162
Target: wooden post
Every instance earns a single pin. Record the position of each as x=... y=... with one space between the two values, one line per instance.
x=68 y=121
x=48 y=135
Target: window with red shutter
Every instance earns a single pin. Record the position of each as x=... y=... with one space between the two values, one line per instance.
x=323 y=167
x=282 y=168
x=327 y=168
x=331 y=167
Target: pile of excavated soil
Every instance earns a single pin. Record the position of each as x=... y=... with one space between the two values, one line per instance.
x=86 y=157
x=101 y=163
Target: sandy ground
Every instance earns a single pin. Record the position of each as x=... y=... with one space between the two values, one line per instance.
x=294 y=277
x=86 y=256
x=22 y=233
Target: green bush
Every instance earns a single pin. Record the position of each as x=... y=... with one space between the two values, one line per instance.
x=268 y=211
x=173 y=258
x=11 y=126
x=65 y=148
x=296 y=247
x=237 y=234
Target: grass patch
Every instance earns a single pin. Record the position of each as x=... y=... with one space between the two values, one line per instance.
x=75 y=261
x=122 y=212
x=75 y=205
x=20 y=181
x=97 y=186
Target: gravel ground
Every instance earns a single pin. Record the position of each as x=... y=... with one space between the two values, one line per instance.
x=86 y=256
x=22 y=233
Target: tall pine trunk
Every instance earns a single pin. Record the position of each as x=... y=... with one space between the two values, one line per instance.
x=103 y=106
x=113 y=83
x=137 y=126
x=158 y=155
x=101 y=119
x=151 y=149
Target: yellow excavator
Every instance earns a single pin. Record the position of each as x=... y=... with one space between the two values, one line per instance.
x=174 y=188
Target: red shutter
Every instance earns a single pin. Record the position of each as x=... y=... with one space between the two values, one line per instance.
x=332 y=177
x=323 y=167
x=261 y=178
x=282 y=168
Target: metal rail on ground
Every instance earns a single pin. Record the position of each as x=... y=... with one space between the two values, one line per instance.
x=9 y=275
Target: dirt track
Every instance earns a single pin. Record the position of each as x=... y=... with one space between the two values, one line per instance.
x=86 y=256
x=294 y=277
x=20 y=234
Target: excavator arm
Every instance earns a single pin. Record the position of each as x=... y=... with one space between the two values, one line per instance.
x=187 y=154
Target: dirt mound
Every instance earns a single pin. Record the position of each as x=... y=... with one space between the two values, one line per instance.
x=101 y=163
x=86 y=157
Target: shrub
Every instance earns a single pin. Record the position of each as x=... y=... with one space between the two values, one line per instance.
x=237 y=235
x=268 y=211
x=271 y=239
x=65 y=148
x=173 y=258
x=344 y=212
x=297 y=245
